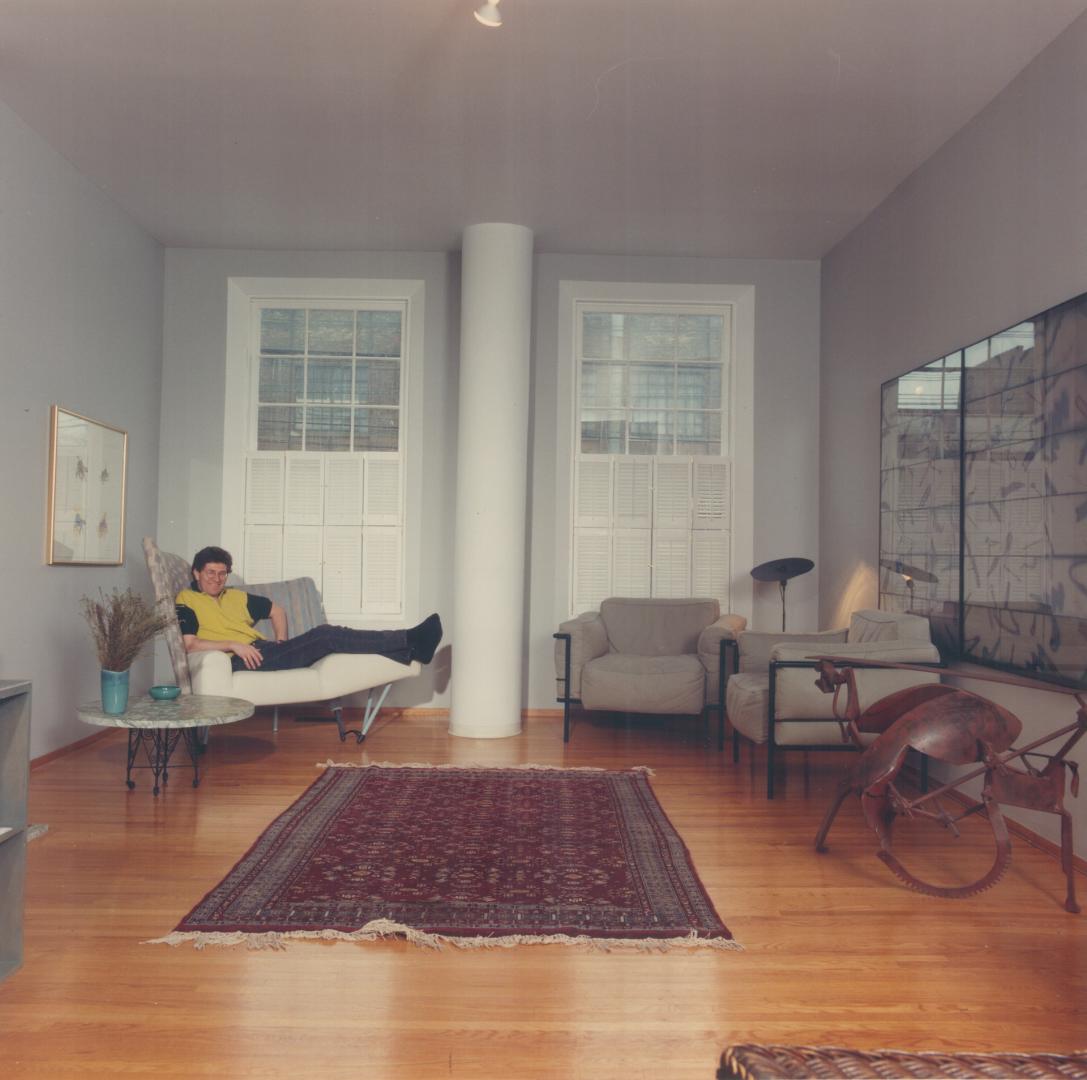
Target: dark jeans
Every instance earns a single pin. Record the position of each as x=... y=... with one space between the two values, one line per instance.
x=307 y=648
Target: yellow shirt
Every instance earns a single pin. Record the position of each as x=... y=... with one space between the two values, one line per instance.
x=222 y=618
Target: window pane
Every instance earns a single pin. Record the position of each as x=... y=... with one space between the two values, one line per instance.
x=603 y=432
x=651 y=432
x=329 y=381
x=331 y=333
x=602 y=385
x=699 y=337
x=279 y=428
x=652 y=386
x=328 y=429
x=280 y=379
x=377 y=382
x=377 y=429
x=282 y=330
x=379 y=333
x=698 y=433
x=651 y=337
x=602 y=336
x=699 y=386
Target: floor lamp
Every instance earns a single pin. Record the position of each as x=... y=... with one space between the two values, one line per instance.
x=781 y=570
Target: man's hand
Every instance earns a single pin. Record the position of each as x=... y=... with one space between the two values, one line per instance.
x=248 y=654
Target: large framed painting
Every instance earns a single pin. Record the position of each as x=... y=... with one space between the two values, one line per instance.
x=87 y=462
x=983 y=497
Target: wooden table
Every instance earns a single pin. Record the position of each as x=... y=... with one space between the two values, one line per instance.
x=156 y=727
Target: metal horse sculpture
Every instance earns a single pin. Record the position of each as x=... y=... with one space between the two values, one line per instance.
x=960 y=728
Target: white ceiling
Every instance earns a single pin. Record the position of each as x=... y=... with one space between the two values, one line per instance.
x=699 y=127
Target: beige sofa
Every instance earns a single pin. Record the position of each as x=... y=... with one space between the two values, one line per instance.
x=773 y=699
x=646 y=656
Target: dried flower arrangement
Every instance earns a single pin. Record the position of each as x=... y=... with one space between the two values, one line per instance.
x=122 y=624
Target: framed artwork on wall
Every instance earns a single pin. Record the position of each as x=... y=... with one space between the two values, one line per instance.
x=87 y=463
x=983 y=497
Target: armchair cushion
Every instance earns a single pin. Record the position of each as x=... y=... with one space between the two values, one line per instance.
x=644 y=684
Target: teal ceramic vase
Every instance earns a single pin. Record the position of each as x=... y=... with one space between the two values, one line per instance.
x=114 y=692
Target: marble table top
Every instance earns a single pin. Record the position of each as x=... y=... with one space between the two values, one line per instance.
x=189 y=710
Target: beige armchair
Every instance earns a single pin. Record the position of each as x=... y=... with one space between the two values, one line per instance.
x=646 y=656
x=773 y=699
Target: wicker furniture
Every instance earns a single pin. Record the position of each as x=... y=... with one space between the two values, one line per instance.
x=752 y=1061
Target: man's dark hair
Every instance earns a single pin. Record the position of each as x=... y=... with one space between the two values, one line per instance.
x=211 y=554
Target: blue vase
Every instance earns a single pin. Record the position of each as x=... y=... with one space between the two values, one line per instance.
x=114 y=692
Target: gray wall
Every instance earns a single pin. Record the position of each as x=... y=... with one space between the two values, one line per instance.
x=81 y=311
x=786 y=421
x=990 y=230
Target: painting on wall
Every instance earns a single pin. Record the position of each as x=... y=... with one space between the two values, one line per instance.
x=983 y=497
x=87 y=462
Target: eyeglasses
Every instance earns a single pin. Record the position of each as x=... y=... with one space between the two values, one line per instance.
x=219 y=575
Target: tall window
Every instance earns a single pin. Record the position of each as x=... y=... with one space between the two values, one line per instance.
x=652 y=483
x=324 y=464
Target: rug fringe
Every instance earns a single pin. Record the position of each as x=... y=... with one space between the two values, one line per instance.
x=330 y=764
x=385 y=928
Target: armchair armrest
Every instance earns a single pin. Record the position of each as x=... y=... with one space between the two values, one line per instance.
x=577 y=642
x=796 y=697
x=709 y=641
x=211 y=673
x=756 y=646
x=714 y=643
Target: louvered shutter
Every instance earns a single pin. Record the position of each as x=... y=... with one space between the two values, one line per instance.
x=671 y=563
x=304 y=492
x=631 y=552
x=263 y=553
x=382 y=491
x=343 y=490
x=342 y=579
x=592 y=568
x=592 y=505
x=633 y=494
x=302 y=552
x=710 y=566
x=381 y=570
x=672 y=495
x=712 y=495
x=264 y=474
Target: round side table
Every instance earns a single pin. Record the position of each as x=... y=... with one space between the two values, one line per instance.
x=156 y=727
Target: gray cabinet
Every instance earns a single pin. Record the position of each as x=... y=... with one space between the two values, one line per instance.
x=14 y=762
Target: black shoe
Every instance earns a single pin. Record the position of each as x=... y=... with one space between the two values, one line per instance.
x=423 y=639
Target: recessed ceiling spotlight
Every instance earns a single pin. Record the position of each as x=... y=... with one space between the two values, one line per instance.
x=488 y=13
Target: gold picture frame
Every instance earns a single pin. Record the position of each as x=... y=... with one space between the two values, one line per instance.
x=87 y=465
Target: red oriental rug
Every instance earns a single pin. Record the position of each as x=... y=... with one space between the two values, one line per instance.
x=472 y=856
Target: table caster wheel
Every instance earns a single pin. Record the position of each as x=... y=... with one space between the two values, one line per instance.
x=130 y=784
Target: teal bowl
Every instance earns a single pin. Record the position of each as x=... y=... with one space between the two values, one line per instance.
x=164 y=693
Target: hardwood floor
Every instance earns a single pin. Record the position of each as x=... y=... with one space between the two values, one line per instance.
x=836 y=951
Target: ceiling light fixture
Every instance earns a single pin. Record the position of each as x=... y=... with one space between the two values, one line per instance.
x=488 y=13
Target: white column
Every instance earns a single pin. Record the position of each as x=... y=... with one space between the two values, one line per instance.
x=492 y=464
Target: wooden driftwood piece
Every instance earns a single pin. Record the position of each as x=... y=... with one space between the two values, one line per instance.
x=961 y=728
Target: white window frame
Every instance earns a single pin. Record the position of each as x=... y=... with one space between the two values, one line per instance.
x=738 y=436
x=239 y=421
